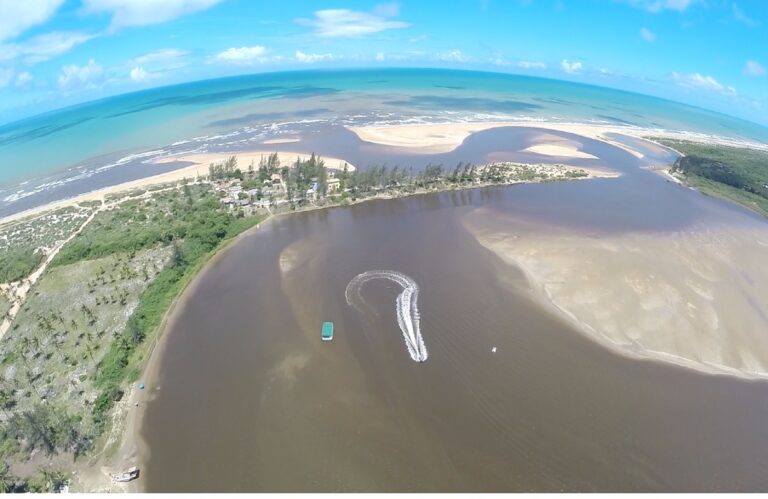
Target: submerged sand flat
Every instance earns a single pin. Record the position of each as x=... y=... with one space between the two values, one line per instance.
x=695 y=298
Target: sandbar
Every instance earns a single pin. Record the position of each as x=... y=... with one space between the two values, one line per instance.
x=693 y=298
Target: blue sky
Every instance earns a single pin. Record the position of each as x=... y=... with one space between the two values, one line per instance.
x=709 y=53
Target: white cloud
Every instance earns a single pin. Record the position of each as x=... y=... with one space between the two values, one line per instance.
x=416 y=39
x=243 y=55
x=570 y=67
x=16 y=16
x=380 y=56
x=648 y=35
x=454 y=55
x=699 y=81
x=311 y=58
x=160 y=56
x=754 y=68
x=75 y=77
x=656 y=6
x=44 y=47
x=353 y=23
x=23 y=78
x=740 y=16
x=142 y=12
x=138 y=74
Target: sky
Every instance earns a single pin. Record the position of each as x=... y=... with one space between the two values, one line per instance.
x=708 y=53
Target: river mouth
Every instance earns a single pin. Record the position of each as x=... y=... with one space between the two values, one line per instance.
x=511 y=398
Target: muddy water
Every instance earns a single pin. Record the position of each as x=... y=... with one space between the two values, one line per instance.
x=249 y=399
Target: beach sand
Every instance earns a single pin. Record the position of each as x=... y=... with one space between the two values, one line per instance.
x=693 y=298
x=559 y=150
x=445 y=137
x=199 y=168
x=246 y=158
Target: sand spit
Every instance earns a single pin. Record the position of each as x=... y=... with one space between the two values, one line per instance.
x=693 y=298
x=558 y=150
x=286 y=140
x=445 y=137
x=246 y=158
x=199 y=168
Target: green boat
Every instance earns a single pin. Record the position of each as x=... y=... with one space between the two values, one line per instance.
x=327 y=331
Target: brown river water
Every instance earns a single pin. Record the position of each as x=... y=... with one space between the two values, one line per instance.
x=248 y=398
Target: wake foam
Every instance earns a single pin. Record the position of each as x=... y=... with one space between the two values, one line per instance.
x=406 y=307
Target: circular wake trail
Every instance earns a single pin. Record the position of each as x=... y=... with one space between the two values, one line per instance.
x=406 y=307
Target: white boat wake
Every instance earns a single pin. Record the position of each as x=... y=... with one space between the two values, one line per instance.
x=406 y=307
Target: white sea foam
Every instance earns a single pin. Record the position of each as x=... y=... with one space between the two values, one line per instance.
x=406 y=307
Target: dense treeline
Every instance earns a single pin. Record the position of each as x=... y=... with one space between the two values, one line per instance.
x=741 y=168
x=735 y=173
x=719 y=172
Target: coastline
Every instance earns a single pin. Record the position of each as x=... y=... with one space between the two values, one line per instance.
x=419 y=138
x=198 y=168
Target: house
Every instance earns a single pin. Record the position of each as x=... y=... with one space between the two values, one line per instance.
x=253 y=192
x=276 y=178
x=332 y=185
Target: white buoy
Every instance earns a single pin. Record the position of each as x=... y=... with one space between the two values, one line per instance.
x=493 y=350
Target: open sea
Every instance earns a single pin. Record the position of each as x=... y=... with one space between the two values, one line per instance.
x=71 y=151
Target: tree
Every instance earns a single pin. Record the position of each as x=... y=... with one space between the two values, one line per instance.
x=48 y=481
x=7 y=481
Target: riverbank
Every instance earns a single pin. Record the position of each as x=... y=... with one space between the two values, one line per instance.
x=132 y=450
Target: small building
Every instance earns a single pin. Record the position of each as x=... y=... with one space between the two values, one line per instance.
x=276 y=178
x=332 y=185
x=252 y=192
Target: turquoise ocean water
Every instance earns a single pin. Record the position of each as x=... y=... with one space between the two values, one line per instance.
x=71 y=145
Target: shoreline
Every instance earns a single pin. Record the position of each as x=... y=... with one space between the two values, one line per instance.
x=198 y=168
x=421 y=138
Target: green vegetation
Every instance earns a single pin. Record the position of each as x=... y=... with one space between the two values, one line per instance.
x=82 y=333
x=18 y=263
x=734 y=173
x=24 y=243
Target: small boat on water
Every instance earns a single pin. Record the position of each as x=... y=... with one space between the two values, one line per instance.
x=126 y=476
x=327 y=331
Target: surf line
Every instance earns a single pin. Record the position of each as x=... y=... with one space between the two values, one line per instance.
x=406 y=307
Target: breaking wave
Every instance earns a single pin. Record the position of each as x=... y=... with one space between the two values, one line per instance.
x=406 y=307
